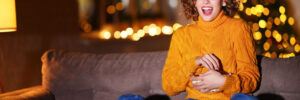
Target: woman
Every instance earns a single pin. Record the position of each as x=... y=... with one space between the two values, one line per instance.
x=213 y=58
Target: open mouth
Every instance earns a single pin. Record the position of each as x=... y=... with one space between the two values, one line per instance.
x=207 y=10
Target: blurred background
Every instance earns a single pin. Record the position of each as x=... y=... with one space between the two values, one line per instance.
x=118 y=26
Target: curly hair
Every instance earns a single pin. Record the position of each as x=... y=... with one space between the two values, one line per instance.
x=191 y=11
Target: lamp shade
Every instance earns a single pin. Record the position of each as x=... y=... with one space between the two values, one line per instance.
x=8 y=21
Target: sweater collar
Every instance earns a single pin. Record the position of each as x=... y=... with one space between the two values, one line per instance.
x=221 y=18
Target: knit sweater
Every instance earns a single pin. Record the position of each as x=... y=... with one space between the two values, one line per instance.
x=229 y=40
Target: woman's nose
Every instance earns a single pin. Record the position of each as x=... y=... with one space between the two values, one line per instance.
x=205 y=1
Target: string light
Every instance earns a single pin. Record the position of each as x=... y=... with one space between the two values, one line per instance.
x=277 y=21
x=124 y=34
x=267 y=46
x=167 y=30
x=291 y=21
x=262 y=24
x=292 y=40
x=111 y=9
x=119 y=6
x=257 y=35
x=268 y=33
x=176 y=26
x=281 y=9
x=117 y=35
x=283 y=18
x=297 y=48
x=267 y=54
x=248 y=11
x=266 y=11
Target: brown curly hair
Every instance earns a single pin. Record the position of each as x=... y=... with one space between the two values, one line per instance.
x=191 y=11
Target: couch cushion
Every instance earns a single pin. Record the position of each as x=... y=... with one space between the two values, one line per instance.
x=87 y=94
x=113 y=73
x=280 y=77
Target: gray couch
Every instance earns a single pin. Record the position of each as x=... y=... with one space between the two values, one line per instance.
x=84 y=76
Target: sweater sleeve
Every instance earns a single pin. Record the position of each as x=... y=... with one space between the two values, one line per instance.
x=247 y=77
x=175 y=75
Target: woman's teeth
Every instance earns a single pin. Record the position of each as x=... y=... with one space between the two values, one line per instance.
x=207 y=10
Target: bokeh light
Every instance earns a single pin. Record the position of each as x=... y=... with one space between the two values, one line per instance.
x=281 y=9
x=176 y=26
x=277 y=21
x=293 y=40
x=262 y=24
x=257 y=35
x=167 y=30
x=291 y=21
x=111 y=9
x=297 y=48
x=283 y=18
x=119 y=6
x=266 y=11
x=267 y=46
x=117 y=35
x=268 y=33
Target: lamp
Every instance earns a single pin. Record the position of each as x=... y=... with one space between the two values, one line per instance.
x=8 y=21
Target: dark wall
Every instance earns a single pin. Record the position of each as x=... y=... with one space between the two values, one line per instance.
x=53 y=24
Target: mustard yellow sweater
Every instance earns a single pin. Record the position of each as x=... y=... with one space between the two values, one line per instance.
x=229 y=39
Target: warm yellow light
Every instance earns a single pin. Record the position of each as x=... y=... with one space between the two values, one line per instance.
x=285 y=36
x=257 y=36
x=176 y=26
x=152 y=30
x=236 y=16
x=266 y=11
x=267 y=46
x=167 y=30
x=291 y=21
x=105 y=35
x=135 y=37
x=297 y=48
x=281 y=9
x=119 y=6
x=277 y=21
x=117 y=35
x=262 y=24
x=8 y=21
x=141 y=33
x=241 y=7
x=253 y=10
x=292 y=40
x=129 y=31
x=268 y=54
x=255 y=27
x=277 y=36
x=259 y=8
x=268 y=33
x=248 y=11
x=244 y=1
x=283 y=18
x=158 y=30
x=124 y=34
x=288 y=55
x=146 y=29
x=274 y=54
x=111 y=9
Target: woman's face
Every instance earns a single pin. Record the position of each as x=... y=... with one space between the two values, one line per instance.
x=209 y=9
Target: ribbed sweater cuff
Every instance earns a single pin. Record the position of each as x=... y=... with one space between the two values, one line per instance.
x=228 y=83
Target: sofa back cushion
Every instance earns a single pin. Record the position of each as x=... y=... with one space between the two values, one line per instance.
x=114 y=74
x=280 y=79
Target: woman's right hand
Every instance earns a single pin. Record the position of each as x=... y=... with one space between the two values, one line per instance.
x=208 y=61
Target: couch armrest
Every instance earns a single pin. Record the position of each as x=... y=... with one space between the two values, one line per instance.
x=32 y=93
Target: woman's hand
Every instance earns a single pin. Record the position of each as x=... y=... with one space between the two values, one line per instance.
x=208 y=81
x=209 y=61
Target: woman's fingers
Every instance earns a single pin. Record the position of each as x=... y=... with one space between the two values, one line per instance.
x=208 y=62
x=215 y=60
x=212 y=61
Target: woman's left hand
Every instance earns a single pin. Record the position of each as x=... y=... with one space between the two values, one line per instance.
x=207 y=81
